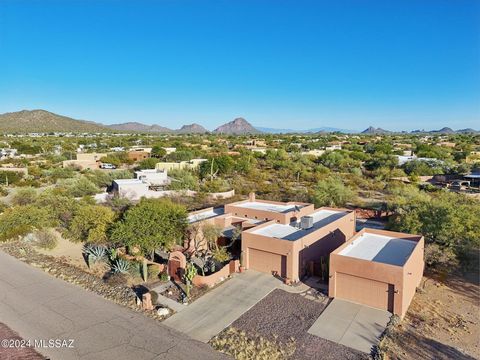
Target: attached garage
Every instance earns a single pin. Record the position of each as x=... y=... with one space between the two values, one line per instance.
x=267 y=262
x=377 y=268
x=368 y=292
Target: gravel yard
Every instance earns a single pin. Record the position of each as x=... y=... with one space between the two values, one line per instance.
x=287 y=316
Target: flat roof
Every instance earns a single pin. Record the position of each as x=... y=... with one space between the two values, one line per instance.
x=128 y=181
x=380 y=248
x=203 y=215
x=266 y=206
x=293 y=231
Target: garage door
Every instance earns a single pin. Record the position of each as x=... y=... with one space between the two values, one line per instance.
x=364 y=291
x=267 y=262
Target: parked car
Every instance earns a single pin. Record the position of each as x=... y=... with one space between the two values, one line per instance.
x=107 y=166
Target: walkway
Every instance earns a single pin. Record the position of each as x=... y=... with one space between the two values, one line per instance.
x=213 y=312
x=39 y=306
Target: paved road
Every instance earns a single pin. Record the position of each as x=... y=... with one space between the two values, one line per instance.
x=39 y=306
x=216 y=310
x=356 y=326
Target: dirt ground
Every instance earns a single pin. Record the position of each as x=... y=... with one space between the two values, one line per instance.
x=71 y=253
x=443 y=321
x=284 y=316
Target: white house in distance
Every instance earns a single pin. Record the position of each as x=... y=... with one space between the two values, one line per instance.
x=153 y=177
x=145 y=185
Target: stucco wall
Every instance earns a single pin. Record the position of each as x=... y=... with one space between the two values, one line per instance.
x=310 y=247
x=404 y=286
x=412 y=274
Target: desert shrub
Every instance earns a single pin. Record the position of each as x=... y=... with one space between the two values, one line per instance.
x=46 y=239
x=164 y=276
x=20 y=220
x=24 y=196
x=153 y=271
x=91 y=223
x=241 y=346
x=79 y=187
x=332 y=192
x=154 y=296
x=3 y=191
x=221 y=254
x=115 y=279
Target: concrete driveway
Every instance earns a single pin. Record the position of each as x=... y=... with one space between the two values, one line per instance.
x=40 y=307
x=213 y=312
x=356 y=326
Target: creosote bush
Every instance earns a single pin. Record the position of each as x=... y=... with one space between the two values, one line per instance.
x=46 y=239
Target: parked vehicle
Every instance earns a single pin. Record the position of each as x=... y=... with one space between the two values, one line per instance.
x=107 y=166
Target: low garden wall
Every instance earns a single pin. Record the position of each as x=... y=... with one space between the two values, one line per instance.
x=223 y=273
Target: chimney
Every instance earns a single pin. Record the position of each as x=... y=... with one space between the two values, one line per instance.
x=251 y=197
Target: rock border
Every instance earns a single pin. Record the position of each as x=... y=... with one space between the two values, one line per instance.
x=119 y=294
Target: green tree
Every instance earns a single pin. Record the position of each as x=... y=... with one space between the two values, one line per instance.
x=148 y=163
x=91 y=224
x=152 y=224
x=20 y=220
x=332 y=192
x=158 y=152
x=79 y=187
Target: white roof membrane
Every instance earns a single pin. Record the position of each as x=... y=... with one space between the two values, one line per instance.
x=380 y=248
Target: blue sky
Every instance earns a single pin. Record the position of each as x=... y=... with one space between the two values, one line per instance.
x=408 y=64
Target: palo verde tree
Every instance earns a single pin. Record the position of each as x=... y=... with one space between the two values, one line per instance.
x=151 y=224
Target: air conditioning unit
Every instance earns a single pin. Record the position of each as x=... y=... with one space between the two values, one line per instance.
x=306 y=222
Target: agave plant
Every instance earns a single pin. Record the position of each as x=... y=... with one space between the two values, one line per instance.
x=94 y=253
x=121 y=266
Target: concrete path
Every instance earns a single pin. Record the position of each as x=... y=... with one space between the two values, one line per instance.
x=213 y=312
x=39 y=306
x=165 y=301
x=356 y=326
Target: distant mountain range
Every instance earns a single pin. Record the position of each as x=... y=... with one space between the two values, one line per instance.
x=44 y=121
x=445 y=131
x=28 y=121
x=307 y=131
x=238 y=126
x=136 y=126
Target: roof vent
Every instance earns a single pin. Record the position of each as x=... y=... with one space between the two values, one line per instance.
x=306 y=222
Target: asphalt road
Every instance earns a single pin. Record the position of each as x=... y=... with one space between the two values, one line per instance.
x=40 y=307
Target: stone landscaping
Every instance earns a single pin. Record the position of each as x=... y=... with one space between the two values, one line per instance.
x=118 y=293
x=283 y=317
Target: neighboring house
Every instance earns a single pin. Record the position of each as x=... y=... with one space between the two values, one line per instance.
x=85 y=161
x=7 y=153
x=169 y=150
x=130 y=188
x=314 y=152
x=138 y=155
x=378 y=268
x=191 y=164
x=473 y=157
x=334 y=146
x=404 y=159
x=290 y=239
x=153 y=177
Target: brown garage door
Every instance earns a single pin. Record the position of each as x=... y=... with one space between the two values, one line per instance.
x=364 y=291
x=267 y=262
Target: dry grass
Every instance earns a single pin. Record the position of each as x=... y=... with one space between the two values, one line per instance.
x=237 y=344
x=442 y=323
